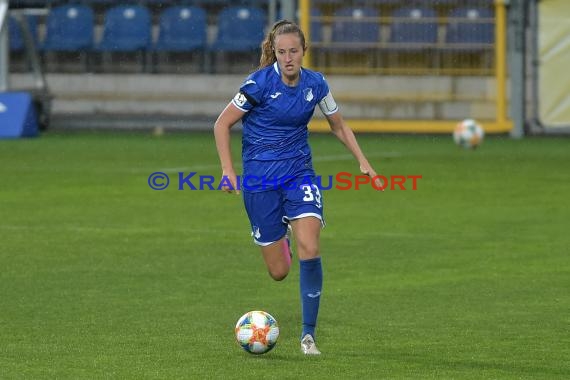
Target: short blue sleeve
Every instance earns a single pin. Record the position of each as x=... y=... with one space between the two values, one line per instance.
x=324 y=88
x=249 y=95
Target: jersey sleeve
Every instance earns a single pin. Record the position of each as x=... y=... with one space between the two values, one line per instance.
x=327 y=103
x=249 y=95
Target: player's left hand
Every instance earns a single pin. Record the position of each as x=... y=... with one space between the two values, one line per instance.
x=369 y=171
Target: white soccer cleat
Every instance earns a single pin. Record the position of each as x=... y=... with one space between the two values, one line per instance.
x=308 y=346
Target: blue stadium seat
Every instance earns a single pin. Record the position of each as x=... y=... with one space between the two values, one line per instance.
x=182 y=28
x=316 y=26
x=413 y=29
x=17 y=43
x=316 y=23
x=127 y=28
x=355 y=28
x=69 y=28
x=470 y=29
x=240 y=29
x=356 y=34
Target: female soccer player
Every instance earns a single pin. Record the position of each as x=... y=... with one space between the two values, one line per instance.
x=275 y=104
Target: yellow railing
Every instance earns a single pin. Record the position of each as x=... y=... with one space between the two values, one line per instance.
x=501 y=61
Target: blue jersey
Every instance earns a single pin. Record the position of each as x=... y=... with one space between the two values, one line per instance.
x=275 y=133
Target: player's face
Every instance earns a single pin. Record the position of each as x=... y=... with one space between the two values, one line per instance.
x=289 y=53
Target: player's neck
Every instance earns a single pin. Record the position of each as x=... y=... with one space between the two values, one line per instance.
x=290 y=81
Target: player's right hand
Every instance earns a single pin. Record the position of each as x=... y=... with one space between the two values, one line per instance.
x=232 y=186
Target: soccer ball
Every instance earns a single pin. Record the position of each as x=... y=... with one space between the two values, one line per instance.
x=468 y=134
x=257 y=332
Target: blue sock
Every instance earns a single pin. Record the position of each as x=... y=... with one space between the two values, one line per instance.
x=311 y=284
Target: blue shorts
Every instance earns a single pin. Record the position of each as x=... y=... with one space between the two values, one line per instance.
x=270 y=211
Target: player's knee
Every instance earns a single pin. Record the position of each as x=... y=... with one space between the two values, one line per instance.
x=279 y=274
x=308 y=250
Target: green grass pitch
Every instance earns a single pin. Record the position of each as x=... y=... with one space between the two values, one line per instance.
x=467 y=277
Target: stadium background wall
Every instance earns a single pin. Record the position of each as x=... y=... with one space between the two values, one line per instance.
x=382 y=85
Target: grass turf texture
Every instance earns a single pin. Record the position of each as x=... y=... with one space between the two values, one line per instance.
x=467 y=277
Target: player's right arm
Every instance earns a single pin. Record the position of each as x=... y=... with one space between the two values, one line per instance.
x=226 y=120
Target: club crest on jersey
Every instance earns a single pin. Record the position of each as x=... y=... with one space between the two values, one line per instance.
x=308 y=93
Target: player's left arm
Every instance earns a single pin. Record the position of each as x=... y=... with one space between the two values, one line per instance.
x=343 y=132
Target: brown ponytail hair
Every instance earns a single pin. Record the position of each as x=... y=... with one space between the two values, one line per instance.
x=268 y=45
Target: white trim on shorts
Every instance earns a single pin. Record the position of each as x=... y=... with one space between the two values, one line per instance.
x=286 y=219
x=261 y=244
x=264 y=244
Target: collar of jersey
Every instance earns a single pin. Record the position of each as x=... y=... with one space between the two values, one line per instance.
x=276 y=68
